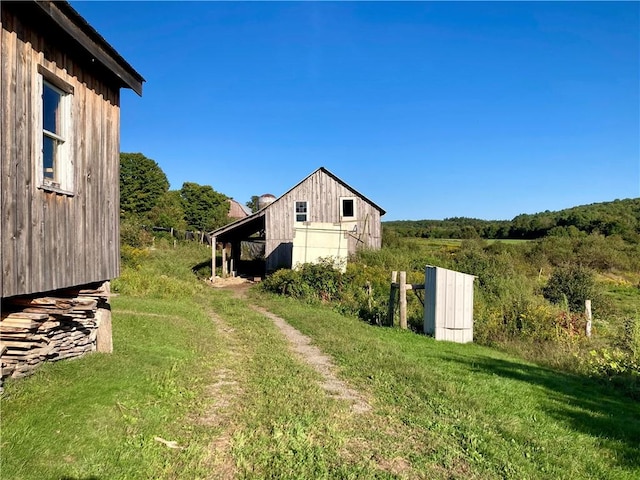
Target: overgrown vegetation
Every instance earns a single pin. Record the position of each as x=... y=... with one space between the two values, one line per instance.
x=529 y=296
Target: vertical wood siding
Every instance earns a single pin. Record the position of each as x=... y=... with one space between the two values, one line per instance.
x=50 y=240
x=322 y=192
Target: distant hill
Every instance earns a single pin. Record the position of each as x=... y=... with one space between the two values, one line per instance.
x=619 y=217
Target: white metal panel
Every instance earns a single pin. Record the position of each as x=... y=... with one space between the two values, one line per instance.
x=448 y=310
x=315 y=241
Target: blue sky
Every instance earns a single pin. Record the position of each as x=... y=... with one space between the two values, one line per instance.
x=432 y=110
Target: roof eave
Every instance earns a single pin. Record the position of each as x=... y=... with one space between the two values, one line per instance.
x=346 y=185
x=236 y=224
x=69 y=20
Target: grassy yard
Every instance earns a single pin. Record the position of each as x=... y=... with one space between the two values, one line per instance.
x=199 y=367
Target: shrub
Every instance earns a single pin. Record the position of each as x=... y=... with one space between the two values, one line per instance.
x=572 y=284
x=132 y=256
x=617 y=367
x=631 y=336
x=133 y=235
x=287 y=282
x=322 y=278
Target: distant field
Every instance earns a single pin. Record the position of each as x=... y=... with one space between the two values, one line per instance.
x=437 y=243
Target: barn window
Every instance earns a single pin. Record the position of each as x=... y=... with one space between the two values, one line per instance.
x=347 y=207
x=302 y=210
x=55 y=166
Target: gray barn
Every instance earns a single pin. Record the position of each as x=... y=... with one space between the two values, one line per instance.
x=59 y=171
x=320 y=197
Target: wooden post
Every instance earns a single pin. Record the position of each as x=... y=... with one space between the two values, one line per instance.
x=224 y=260
x=587 y=312
x=402 y=288
x=392 y=298
x=213 y=259
x=104 y=337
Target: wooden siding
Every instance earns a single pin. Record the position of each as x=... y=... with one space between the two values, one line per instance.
x=323 y=193
x=51 y=240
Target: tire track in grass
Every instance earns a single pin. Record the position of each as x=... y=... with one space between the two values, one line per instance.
x=347 y=450
x=321 y=363
x=224 y=392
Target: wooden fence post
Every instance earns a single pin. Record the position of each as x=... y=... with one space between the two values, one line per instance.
x=587 y=312
x=392 y=298
x=402 y=288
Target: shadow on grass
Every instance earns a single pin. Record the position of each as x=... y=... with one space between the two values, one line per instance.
x=580 y=402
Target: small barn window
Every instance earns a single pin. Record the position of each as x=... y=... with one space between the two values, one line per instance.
x=347 y=207
x=55 y=166
x=302 y=210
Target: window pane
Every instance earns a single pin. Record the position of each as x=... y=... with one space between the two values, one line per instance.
x=48 y=157
x=347 y=208
x=301 y=211
x=51 y=109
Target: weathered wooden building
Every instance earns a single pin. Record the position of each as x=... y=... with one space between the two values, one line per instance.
x=60 y=86
x=237 y=210
x=321 y=198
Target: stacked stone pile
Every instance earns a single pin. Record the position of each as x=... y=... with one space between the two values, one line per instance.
x=36 y=330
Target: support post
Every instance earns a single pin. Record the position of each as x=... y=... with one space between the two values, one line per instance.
x=213 y=259
x=402 y=288
x=392 y=298
x=104 y=336
x=587 y=313
x=224 y=260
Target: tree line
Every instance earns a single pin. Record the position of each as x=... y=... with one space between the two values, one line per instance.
x=145 y=198
x=618 y=217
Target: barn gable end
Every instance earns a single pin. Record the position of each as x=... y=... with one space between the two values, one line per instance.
x=320 y=198
x=323 y=193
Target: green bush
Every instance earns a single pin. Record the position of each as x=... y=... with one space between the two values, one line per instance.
x=287 y=282
x=631 y=336
x=133 y=256
x=616 y=366
x=323 y=279
x=572 y=284
x=133 y=235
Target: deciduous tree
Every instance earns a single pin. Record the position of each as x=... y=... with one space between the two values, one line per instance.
x=204 y=208
x=168 y=211
x=142 y=183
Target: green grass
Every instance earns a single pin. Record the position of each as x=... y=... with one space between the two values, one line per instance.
x=626 y=298
x=471 y=411
x=230 y=392
x=97 y=417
